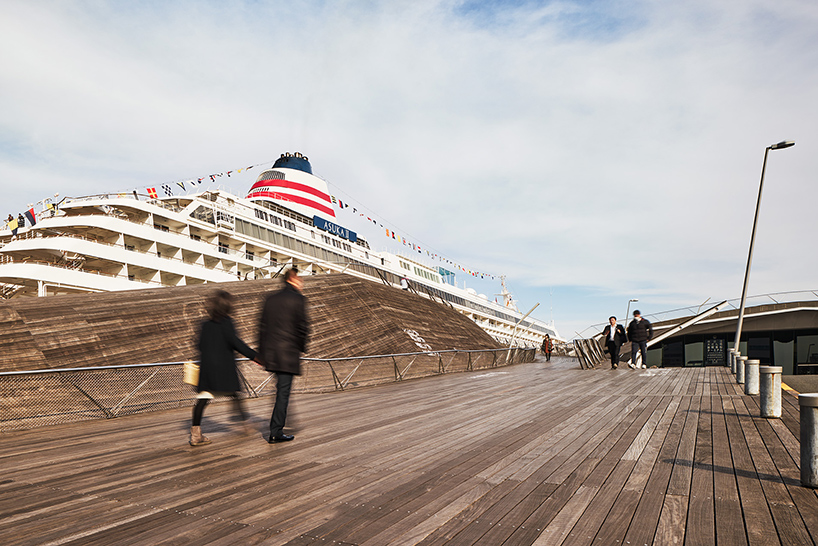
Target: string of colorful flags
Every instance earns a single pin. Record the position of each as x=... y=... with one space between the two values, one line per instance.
x=168 y=189
x=187 y=184
x=392 y=234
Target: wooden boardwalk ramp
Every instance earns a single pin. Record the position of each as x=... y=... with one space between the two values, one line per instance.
x=540 y=453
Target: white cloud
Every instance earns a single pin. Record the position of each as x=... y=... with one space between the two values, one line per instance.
x=518 y=139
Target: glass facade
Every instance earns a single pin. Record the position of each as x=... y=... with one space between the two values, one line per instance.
x=796 y=351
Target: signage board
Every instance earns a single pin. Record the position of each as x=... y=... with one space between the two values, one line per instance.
x=335 y=229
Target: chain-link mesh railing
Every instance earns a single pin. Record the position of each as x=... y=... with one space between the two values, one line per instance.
x=47 y=397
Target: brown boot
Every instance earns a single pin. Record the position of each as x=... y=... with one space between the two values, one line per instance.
x=197 y=438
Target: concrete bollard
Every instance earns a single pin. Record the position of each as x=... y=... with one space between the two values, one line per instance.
x=732 y=361
x=809 y=439
x=770 y=386
x=751 y=376
x=740 y=369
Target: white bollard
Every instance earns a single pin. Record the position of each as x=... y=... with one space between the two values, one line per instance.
x=809 y=439
x=732 y=364
x=770 y=386
x=751 y=376
x=740 y=369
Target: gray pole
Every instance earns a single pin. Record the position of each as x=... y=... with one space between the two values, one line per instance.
x=751 y=377
x=750 y=256
x=808 y=404
x=781 y=145
x=628 y=312
x=770 y=387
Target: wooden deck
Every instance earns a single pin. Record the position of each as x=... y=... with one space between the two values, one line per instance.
x=530 y=454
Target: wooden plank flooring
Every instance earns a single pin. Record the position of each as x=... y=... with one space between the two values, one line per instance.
x=541 y=453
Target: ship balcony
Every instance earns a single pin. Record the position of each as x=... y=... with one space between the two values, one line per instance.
x=32 y=278
x=223 y=253
x=116 y=260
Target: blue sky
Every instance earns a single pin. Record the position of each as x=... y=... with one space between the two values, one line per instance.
x=591 y=151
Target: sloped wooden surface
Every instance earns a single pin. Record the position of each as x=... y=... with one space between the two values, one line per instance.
x=349 y=317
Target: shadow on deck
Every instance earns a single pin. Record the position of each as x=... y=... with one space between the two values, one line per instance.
x=540 y=453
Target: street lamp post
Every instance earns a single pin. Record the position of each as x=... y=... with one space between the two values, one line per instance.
x=780 y=146
x=628 y=312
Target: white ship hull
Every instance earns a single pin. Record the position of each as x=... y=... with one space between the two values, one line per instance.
x=125 y=242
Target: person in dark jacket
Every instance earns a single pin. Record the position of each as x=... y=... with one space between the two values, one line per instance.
x=615 y=336
x=282 y=338
x=639 y=332
x=217 y=362
x=547 y=347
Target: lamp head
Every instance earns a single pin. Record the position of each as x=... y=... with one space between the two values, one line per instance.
x=783 y=144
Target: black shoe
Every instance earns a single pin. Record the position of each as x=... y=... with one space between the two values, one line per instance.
x=280 y=438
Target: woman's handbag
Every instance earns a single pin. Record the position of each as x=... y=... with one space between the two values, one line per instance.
x=191 y=373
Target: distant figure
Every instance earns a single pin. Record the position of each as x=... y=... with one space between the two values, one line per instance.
x=21 y=220
x=547 y=347
x=217 y=361
x=639 y=332
x=282 y=338
x=614 y=337
x=404 y=284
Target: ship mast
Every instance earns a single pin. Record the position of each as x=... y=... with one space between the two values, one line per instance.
x=508 y=299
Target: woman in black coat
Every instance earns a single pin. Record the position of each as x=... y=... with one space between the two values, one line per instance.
x=217 y=362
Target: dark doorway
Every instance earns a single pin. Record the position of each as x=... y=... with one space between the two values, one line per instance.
x=673 y=354
x=758 y=348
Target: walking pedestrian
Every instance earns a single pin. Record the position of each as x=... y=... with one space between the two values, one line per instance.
x=282 y=335
x=217 y=362
x=615 y=336
x=640 y=331
x=547 y=347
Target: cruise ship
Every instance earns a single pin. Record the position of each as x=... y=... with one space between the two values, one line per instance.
x=127 y=241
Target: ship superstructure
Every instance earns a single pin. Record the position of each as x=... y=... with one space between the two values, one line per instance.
x=115 y=242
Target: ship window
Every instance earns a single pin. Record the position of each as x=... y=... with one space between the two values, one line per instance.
x=160 y=227
x=250 y=255
x=203 y=213
x=223 y=247
x=270 y=175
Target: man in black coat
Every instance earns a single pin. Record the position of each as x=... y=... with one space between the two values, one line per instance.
x=614 y=337
x=282 y=337
x=639 y=332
